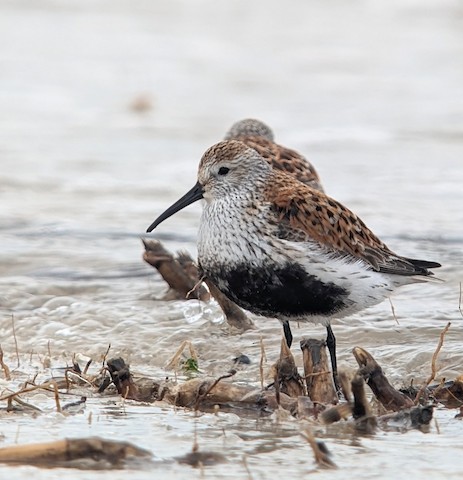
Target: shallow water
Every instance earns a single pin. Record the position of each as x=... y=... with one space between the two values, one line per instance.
x=371 y=92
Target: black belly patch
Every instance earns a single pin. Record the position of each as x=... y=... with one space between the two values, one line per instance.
x=285 y=291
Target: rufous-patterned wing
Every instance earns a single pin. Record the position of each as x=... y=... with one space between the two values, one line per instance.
x=303 y=210
x=285 y=159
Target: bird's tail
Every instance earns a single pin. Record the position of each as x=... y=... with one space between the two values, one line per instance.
x=424 y=274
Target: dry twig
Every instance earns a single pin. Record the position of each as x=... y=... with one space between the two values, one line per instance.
x=15 y=339
x=4 y=366
x=202 y=396
x=459 y=302
x=174 y=361
x=23 y=404
x=87 y=366
x=263 y=358
x=393 y=311
x=433 y=363
x=195 y=288
x=50 y=386
x=106 y=355
x=246 y=467
x=58 y=403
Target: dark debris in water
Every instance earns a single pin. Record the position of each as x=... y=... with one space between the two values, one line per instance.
x=418 y=417
x=198 y=459
x=242 y=359
x=83 y=453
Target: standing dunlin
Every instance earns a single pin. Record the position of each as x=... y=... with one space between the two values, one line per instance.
x=279 y=248
x=259 y=136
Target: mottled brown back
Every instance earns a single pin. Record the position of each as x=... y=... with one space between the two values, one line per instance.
x=303 y=210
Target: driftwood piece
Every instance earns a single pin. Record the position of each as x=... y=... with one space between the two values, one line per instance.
x=286 y=377
x=196 y=393
x=411 y=418
x=206 y=394
x=200 y=459
x=365 y=421
x=357 y=406
x=234 y=315
x=317 y=373
x=305 y=408
x=450 y=394
x=181 y=274
x=68 y=453
x=144 y=390
x=188 y=265
x=361 y=407
x=179 y=279
x=334 y=414
x=289 y=394
x=122 y=379
x=373 y=374
x=406 y=416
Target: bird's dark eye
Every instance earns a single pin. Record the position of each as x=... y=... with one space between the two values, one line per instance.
x=223 y=170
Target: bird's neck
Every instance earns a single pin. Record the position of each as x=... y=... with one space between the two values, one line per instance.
x=229 y=228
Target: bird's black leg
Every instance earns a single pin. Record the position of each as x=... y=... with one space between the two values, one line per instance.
x=331 y=344
x=288 y=334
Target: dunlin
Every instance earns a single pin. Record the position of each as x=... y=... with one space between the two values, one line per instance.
x=259 y=136
x=279 y=248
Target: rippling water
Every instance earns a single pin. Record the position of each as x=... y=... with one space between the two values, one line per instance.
x=370 y=91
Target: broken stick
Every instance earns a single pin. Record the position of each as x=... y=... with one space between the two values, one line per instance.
x=286 y=377
x=317 y=373
x=61 y=452
x=373 y=374
x=234 y=315
x=178 y=278
x=181 y=273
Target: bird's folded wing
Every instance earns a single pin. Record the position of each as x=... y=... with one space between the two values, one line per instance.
x=304 y=214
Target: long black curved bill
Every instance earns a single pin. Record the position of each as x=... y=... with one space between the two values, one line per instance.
x=196 y=193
